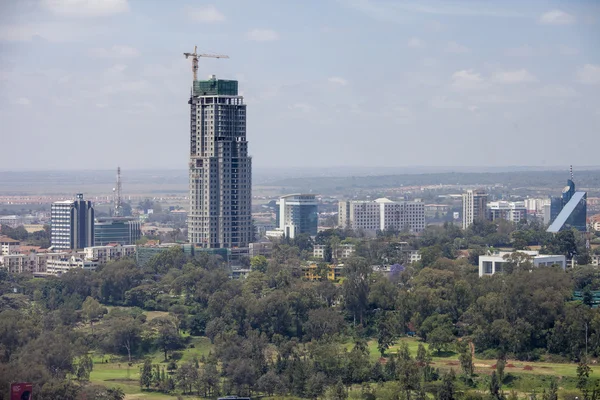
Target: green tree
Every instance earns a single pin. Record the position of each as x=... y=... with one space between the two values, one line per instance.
x=465 y=357
x=356 y=287
x=92 y=310
x=583 y=374
x=259 y=263
x=84 y=368
x=447 y=390
x=500 y=365
x=337 y=392
x=495 y=387
x=168 y=337
x=146 y=374
x=386 y=332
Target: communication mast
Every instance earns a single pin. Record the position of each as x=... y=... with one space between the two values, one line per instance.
x=118 y=211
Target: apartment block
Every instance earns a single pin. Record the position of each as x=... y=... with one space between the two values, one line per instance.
x=382 y=214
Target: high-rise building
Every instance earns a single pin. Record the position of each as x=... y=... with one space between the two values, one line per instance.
x=474 y=207
x=72 y=224
x=507 y=210
x=572 y=212
x=297 y=214
x=220 y=168
x=381 y=215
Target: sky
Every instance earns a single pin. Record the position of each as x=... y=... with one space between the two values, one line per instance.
x=92 y=84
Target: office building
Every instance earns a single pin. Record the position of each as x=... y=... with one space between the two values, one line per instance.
x=121 y=230
x=494 y=263
x=72 y=223
x=58 y=266
x=573 y=209
x=507 y=210
x=381 y=215
x=220 y=169
x=340 y=251
x=474 y=207
x=297 y=214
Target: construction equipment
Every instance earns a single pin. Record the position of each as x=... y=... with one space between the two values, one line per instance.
x=195 y=57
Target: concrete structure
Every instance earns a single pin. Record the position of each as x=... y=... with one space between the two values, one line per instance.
x=334 y=272
x=108 y=253
x=297 y=214
x=31 y=262
x=413 y=256
x=72 y=224
x=220 y=170
x=64 y=264
x=342 y=251
x=474 y=207
x=536 y=205
x=507 y=210
x=9 y=246
x=595 y=259
x=122 y=230
x=260 y=249
x=492 y=264
x=382 y=214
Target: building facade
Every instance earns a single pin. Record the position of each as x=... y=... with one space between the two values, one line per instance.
x=493 y=264
x=474 y=207
x=72 y=224
x=58 y=266
x=297 y=214
x=507 y=210
x=381 y=215
x=111 y=252
x=573 y=210
x=9 y=246
x=220 y=169
x=122 y=230
x=340 y=252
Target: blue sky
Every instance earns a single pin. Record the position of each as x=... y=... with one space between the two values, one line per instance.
x=89 y=84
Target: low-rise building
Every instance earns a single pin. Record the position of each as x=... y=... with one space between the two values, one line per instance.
x=413 y=256
x=341 y=251
x=110 y=252
x=8 y=245
x=61 y=265
x=260 y=249
x=312 y=272
x=381 y=215
x=494 y=263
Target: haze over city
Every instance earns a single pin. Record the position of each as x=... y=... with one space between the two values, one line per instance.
x=89 y=85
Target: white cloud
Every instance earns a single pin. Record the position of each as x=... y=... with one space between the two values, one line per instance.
x=22 y=101
x=115 y=70
x=453 y=47
x=556 y=17
x=522 y=51
x=467 y=79
x=415 y=43
x=86 y=8
x=114 y=52
x=589 y=74
x=516 y=76
x=208 y=14
x=338 y=80
x=262 y=35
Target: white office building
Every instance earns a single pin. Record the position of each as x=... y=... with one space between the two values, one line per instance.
x=72 y=224
x=493 y=264
x=108 y=253
x=474 y=207
x=507 y=210
x=382 y=214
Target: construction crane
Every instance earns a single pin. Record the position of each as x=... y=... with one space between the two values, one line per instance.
x=195 y=57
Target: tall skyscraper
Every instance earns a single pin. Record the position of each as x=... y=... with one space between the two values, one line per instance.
x=298 y=214
x=220 y=168
x=72 y=224
x=474 y=207
x=573 y=209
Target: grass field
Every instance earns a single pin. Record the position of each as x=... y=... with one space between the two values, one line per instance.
x=523 y=377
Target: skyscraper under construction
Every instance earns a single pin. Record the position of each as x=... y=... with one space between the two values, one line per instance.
x=220 y=168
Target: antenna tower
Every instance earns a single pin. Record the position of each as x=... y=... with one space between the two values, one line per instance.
x=571 y=171
x=118 y=212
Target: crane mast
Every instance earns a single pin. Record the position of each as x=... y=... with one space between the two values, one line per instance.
x=195 y=56
x=118 y=212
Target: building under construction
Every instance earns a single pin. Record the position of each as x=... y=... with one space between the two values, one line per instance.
x=220 y=169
